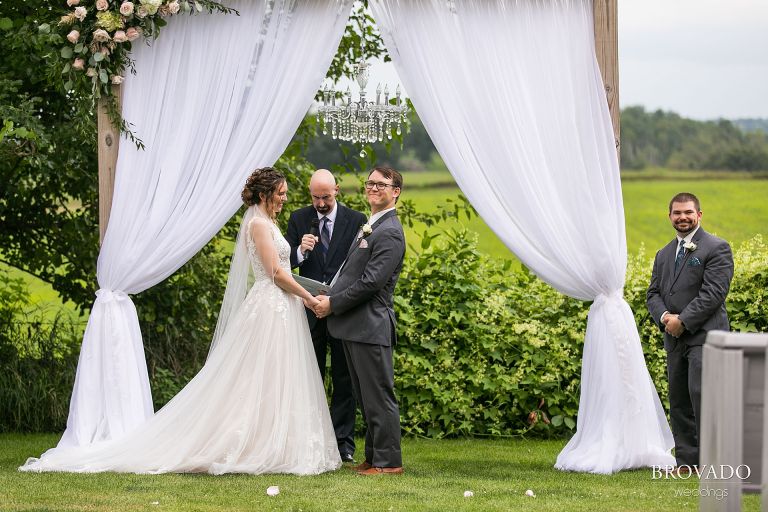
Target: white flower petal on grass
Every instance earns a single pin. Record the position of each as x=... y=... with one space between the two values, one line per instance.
x=530 y=493
x=273 y=490
x=155 y=503
x=468 y=494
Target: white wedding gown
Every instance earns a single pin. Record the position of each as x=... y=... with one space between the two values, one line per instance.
x=257 y=406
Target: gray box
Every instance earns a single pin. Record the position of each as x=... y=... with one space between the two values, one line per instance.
x=733 y=454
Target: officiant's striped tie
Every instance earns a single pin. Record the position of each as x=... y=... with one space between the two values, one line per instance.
x=325 y=236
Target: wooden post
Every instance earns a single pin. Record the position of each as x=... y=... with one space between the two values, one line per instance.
x=109 y=142
x=607 y=49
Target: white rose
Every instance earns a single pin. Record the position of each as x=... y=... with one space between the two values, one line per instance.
x=173 y=7
x=273 y=490
x=102 y=5
x=690 y=246
x=80 y=13
x=116 y=79
x=367 y=229
x=151 y=6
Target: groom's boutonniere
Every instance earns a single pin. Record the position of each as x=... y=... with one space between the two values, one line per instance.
x=366 y=229
x=689 y=246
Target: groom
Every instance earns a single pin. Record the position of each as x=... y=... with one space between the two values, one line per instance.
x=686 y=298
x=360 y=311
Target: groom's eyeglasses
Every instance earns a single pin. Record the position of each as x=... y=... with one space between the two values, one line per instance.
x=378 y=185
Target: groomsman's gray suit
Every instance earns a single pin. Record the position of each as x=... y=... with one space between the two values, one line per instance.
x=363 y=317
x=696 y=292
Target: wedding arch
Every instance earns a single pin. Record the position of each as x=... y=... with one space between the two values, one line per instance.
x=510 y=93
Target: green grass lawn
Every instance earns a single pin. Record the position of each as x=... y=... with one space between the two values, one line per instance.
x=437 y=474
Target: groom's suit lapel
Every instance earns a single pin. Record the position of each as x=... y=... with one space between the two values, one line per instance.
x=356 y=244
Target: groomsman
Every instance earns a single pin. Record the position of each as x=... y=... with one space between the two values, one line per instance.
x=686 y=298
x=361 y=309
x=319 y=236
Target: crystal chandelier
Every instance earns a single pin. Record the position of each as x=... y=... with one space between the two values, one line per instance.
x=361 y=121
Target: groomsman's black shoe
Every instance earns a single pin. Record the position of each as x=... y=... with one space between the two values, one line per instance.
x=347 y=458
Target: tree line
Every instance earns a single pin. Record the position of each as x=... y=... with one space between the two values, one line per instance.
x=648 y=139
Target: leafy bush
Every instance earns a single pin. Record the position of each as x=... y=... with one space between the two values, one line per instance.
x=486 y=349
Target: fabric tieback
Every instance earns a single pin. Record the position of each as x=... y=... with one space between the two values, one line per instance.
x=680 y=255
x=107 y=295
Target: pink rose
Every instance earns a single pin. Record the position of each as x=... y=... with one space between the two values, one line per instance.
x=117 y=79
x=73 y=36
x=142 y=12
x=91 y=72
x=119 y=37
x=78 y=64
x=72 y=3
x=126 y=8
x=132 y=34
x=100 y=35
x=80 y=13
x=102 y=5
x=173 y=7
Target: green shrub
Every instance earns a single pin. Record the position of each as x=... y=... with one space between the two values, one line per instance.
x=486 y=349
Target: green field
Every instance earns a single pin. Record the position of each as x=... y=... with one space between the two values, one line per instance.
x=437 y=473
x=735 y=210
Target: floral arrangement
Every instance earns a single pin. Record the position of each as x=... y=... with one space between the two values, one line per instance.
x=99 y=35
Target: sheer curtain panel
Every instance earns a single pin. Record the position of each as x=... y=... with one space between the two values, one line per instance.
x=214 y=97
x=510 y=92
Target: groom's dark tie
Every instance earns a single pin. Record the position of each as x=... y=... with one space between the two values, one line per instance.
x=680 y=255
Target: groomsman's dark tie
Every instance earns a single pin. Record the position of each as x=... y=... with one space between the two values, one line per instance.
x=325 y=236
x=680 y=255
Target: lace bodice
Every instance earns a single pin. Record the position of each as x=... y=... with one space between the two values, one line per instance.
x=283 y=252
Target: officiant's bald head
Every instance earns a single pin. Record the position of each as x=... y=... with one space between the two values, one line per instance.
x=323 y=189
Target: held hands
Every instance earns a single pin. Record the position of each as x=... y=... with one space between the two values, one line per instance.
x=323 y=306
x=674 y=325
x=310 y=302
x=308 y=243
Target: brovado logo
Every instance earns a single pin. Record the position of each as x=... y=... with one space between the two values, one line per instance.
x=705 y=471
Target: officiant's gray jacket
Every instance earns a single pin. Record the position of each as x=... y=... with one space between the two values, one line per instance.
x=362 y=297
x=696 y=291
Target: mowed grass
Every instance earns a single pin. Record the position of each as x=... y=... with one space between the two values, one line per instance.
x=498 y=472
x=736 y=210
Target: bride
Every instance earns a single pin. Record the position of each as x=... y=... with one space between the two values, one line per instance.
x=258 y=404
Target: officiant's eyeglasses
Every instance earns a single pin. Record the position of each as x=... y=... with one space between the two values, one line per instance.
x=378 y=185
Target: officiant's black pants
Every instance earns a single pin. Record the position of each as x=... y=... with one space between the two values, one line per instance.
x=342 y=395
x=373 y=380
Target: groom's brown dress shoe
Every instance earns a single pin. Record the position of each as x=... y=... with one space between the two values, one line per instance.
x=381 y=471
x=362 y=466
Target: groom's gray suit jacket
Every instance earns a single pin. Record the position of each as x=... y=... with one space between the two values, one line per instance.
x=362 y=296
x=696 y=291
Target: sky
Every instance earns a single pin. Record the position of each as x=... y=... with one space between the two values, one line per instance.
x=704 y=59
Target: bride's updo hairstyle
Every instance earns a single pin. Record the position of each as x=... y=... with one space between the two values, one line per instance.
x=266 y=181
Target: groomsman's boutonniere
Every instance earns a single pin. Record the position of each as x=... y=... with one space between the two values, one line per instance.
x=366 y=229
x=689 y=246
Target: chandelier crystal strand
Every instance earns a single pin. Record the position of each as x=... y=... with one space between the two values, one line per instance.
x=361 y=121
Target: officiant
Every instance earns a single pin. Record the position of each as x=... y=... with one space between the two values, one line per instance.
x=319 y=236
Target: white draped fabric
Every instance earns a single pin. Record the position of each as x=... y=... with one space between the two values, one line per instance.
x=213 y=98
x=511 y=94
